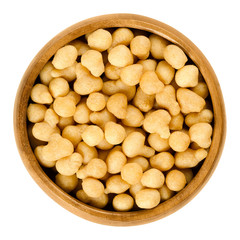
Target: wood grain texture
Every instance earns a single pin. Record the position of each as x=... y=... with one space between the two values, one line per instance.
x=72 y=204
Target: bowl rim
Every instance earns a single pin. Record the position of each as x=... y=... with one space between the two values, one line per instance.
x=72 y=204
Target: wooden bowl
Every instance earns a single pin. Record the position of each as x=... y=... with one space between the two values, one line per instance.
x=71 y=203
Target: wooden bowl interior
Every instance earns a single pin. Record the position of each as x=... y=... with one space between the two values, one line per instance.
x=110 y=217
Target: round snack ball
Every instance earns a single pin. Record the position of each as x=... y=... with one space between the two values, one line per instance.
x=64 y=106
x=187 y=76
x=179 y=141
x=158 y=122
x=152 y=178
x=45 y=74
x=100 y=40
x=120 y=56
x=93 y=61
x=201 y=133
x=36 y=112
x=133 y=145
x=175 y=180
x=65 y=57
x=69 y=165
x=122 y=36
x=114 y=133
x=59 y=87
x=117 y=105
x=158 y=143
x=175 y=56
x=165 y=72
x=163 y=161
x=92 y=187
x=150 y=83
x=82 y=113
x=131 y=173
x=96 y=168
x=189 y=101
x=115 y=184
x=134 y=117
x=67 y=183
x=96 y=101
x=40 y=158
x=40 y=94
x=158 y=45
x=123 y=202
x=140 y=46
x=43 y=131
x=131 y=75
x=147 y=198
x=92 y=135
x=115 y=160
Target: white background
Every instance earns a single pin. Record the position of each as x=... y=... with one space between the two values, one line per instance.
x=26 y=211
